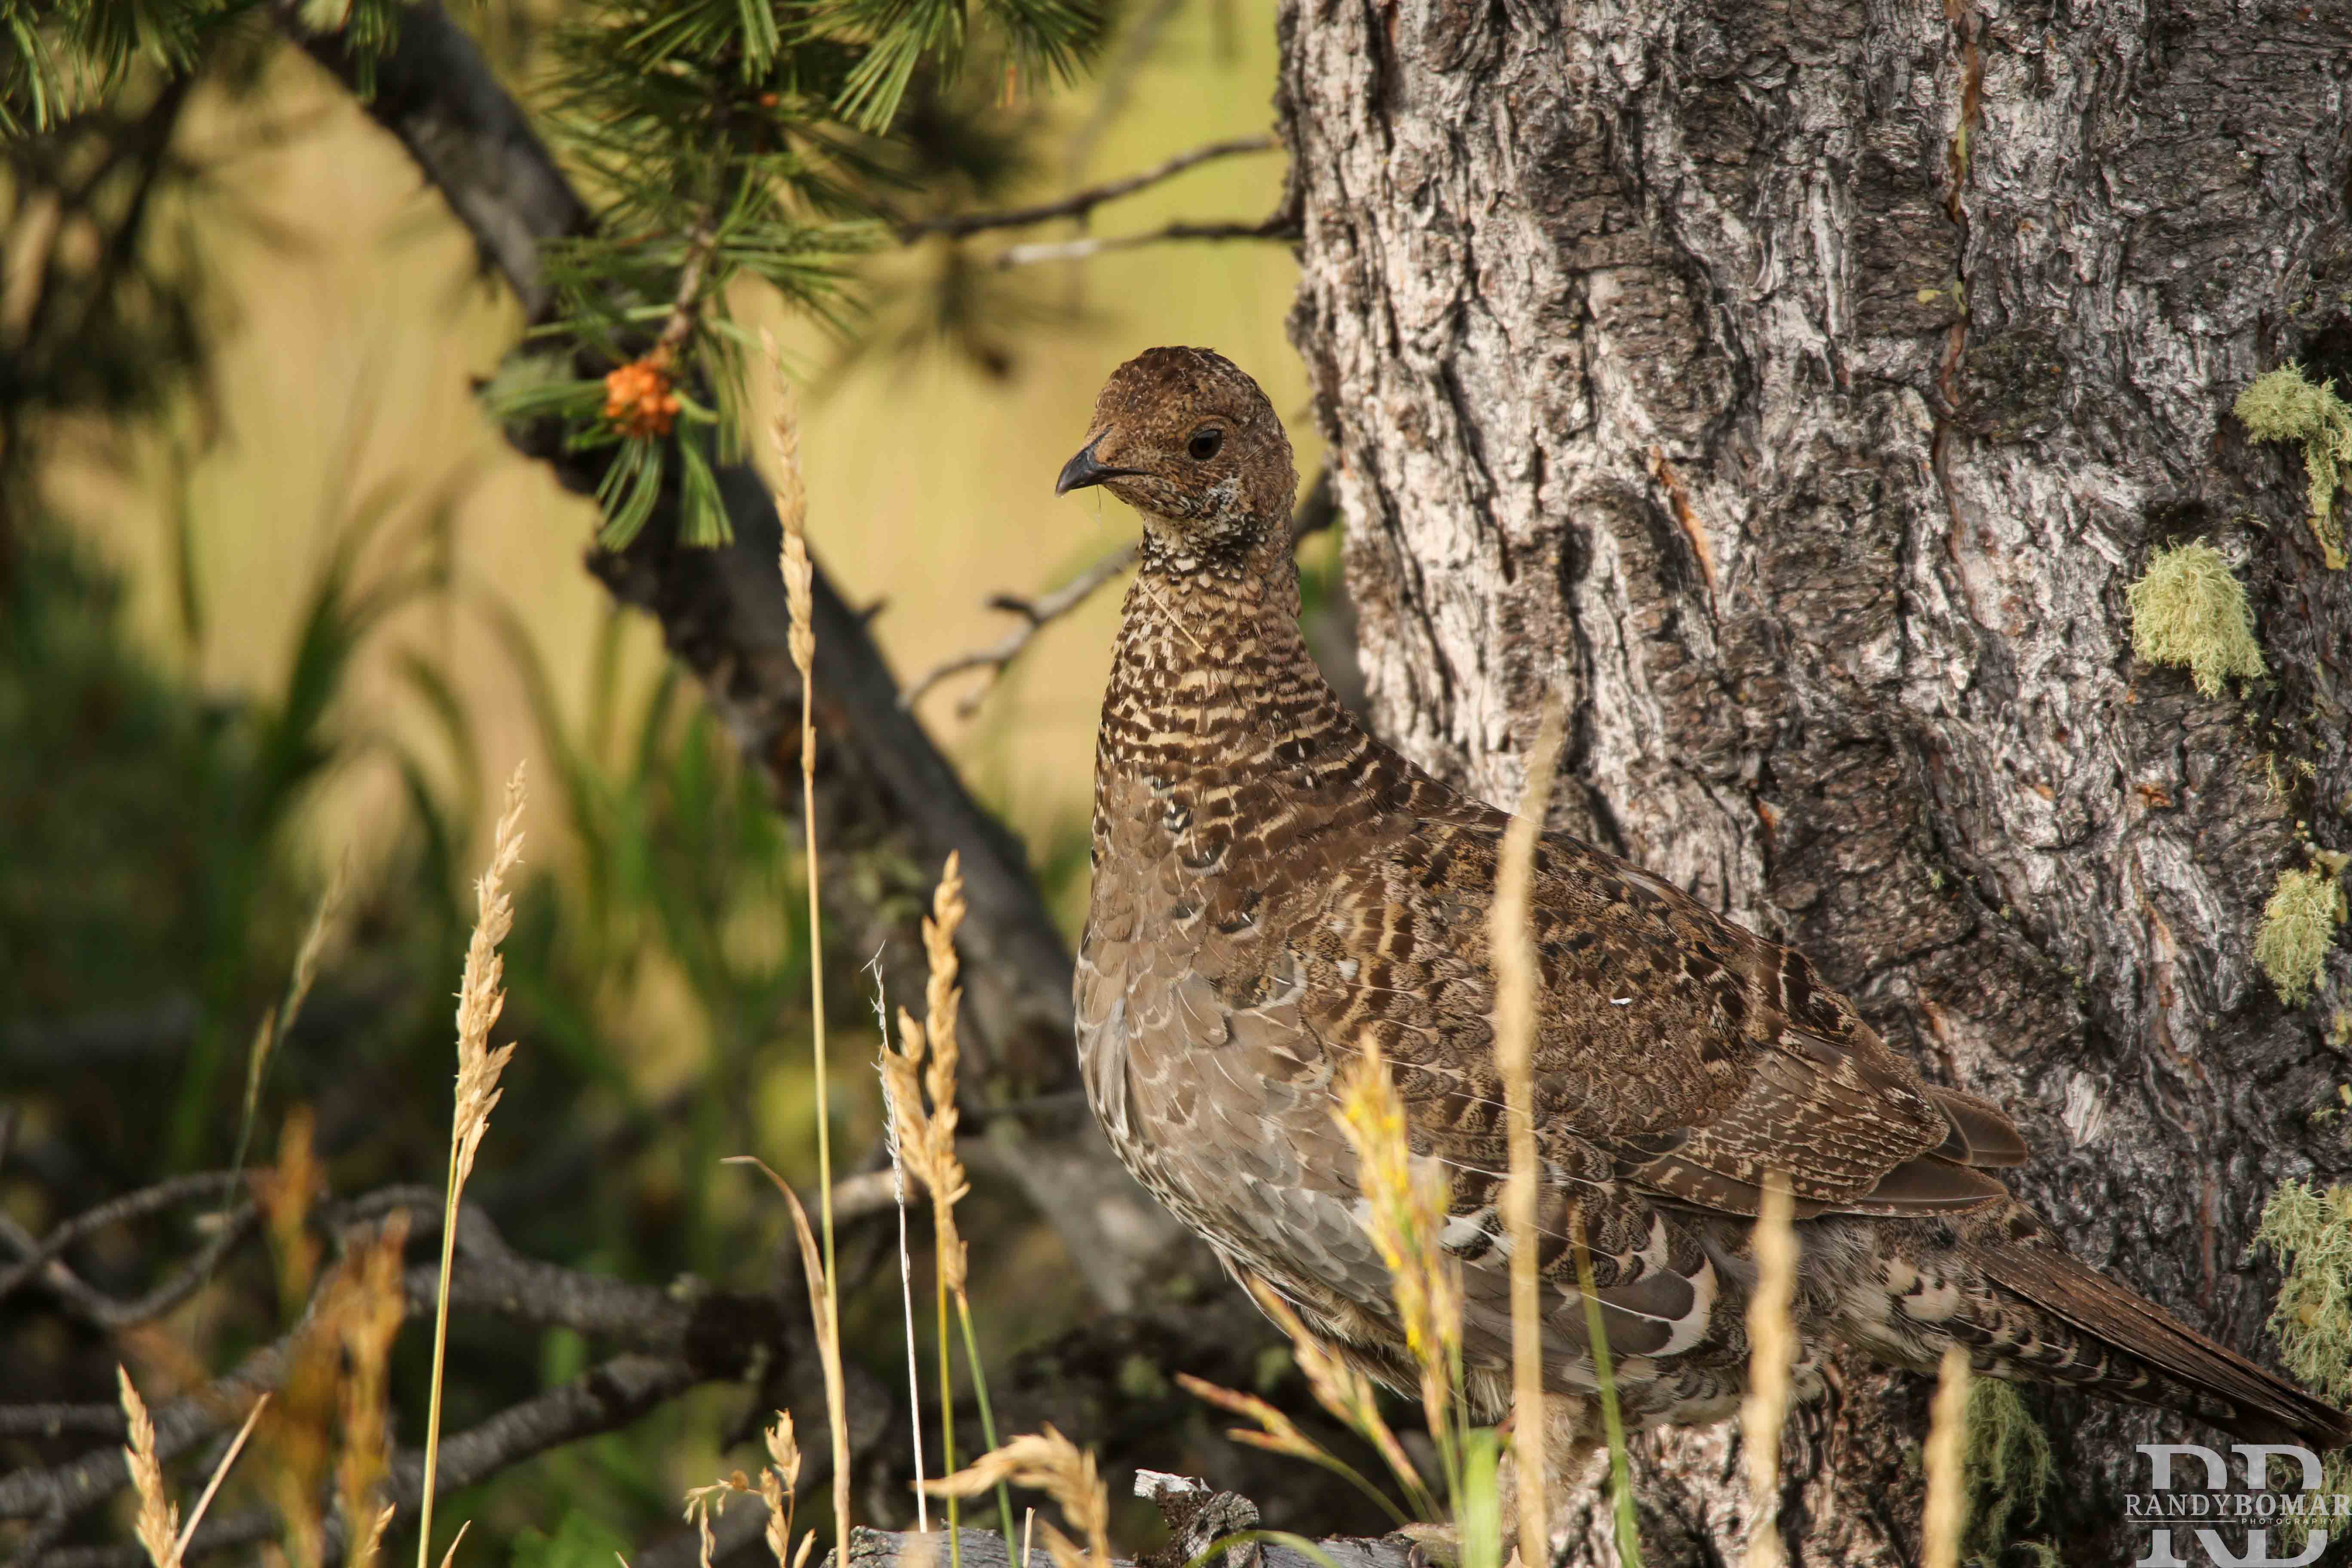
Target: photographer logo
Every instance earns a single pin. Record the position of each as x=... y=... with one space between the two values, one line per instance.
x=2205 y=1520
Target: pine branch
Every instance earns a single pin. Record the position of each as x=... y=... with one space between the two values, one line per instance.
x=722 y=610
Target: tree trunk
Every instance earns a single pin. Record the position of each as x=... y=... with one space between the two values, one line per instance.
x=1793 y=390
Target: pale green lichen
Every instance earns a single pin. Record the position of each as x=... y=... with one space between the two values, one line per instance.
x=2299 y=926
x=2311 y=1232
x=2008 y=1468
x=2189 y=608
x=2287 y=405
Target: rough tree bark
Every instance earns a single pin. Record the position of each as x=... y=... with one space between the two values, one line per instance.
x=1793 y=387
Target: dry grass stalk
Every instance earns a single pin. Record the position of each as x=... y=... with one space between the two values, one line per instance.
x=1340 y=1389
x=1518 y=980
x=451 y=1555
x=1053 y=1464
x=158 y=1528
x=335 y=1375
x=1772 y=1351
x=800 y=593
x=927 y=1142
x=220 y=1473
x=480 y=997
x=828 y=1343
x=366 y=1313
x=1407 y=1203
x=296 y=1442
x=1604 y=1378
x=1947 y=1423
x=896 y=1147
x=277 y=1022
x=1277 y=1434
x=284 y=1195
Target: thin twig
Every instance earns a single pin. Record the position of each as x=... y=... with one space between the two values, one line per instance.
x=1036 y=615
x=688 y=302
x=1113 y=82
x=1281 y=226
x=1078 y=204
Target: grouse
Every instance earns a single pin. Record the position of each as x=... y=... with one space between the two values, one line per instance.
x=1274 y=891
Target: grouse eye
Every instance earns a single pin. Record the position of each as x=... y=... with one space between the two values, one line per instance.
x=1204 y=444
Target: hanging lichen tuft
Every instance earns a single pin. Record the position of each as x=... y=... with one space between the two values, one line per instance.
x=2299 y=925
x=2311 y=1232
x=2287 y=405
x=2189 y=608
x=2009 y=1469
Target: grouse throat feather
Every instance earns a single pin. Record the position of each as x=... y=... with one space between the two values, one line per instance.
x=1274 y=890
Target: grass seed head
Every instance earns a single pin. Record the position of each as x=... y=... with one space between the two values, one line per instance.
x=158 y=1524
x=482 y=995
x=779 y=1484
x=1052 y=1464
x=1405 y=1206
x=792 y=511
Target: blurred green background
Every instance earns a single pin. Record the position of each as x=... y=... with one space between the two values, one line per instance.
x=304 y=609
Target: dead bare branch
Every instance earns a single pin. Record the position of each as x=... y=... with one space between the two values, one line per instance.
x=1315 y=514
x=1281 y=226
x=39 y=1261
x=1078 y=204
x=1035 y=616
x=114 y=1211
x=58 y=1420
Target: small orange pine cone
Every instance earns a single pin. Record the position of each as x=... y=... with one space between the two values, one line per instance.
x=637 y=397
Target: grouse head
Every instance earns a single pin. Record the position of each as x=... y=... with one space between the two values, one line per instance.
x=1186 y=438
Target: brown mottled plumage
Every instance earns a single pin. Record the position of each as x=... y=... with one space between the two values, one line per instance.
x=1274 y=890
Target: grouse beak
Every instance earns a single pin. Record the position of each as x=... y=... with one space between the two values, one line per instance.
x=1083 y=471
